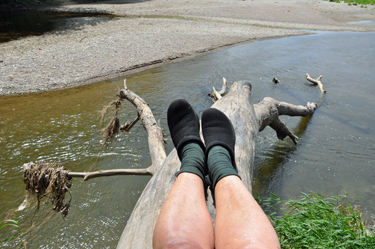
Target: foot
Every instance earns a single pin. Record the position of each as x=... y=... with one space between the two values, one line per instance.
x=217 y=129
x=183 y=123
x=220 y=139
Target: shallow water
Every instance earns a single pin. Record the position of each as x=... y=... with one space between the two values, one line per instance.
x=364 y=22
x=335 y=154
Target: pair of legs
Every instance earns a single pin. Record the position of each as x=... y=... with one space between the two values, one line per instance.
x=184 y=220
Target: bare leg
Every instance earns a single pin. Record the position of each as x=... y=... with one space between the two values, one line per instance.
x=184 y=220
x=240 y=221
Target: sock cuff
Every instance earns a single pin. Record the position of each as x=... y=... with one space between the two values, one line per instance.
x=220 y=164
x=193 y=160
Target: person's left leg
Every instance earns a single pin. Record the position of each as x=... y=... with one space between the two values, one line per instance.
x=184 y=220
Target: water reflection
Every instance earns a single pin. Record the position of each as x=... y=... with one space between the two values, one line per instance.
x=268 y=170
x=334 y=154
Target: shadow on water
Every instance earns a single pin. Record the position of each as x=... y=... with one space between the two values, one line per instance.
x=267 y=163
x=14 y=25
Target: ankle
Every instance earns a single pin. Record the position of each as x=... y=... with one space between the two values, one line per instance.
x=193 y=160
x=219 y=164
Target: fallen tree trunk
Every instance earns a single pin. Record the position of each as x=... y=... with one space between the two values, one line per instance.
x=247 y=118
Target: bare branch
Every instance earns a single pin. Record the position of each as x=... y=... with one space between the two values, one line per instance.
x=111 y=172
x=154 y=131
x=222 y=91
x=317 y=82
x=128 y=125
x=282 y=131
x=296 y=110
x=268 y=112
x=216 y=94
x=27 y=167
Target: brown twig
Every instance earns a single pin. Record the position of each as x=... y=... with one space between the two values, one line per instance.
x=128 y=125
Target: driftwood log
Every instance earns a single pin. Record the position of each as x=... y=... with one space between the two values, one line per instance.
x=248 y=119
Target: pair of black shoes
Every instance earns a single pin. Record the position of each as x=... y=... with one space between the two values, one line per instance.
x=184 y=127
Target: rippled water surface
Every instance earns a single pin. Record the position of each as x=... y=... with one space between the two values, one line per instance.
x=335 y=154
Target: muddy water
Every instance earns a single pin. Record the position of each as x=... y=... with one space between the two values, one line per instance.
x=335 y=154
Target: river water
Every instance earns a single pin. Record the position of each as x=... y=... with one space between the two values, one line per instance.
x=335 y=153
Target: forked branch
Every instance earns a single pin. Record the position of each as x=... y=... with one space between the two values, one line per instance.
x=128 y=125
x=317 y=82
x=154 y=131
x=217 y=94
x=268 y=111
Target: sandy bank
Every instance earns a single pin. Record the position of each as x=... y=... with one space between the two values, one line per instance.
x=153 y=33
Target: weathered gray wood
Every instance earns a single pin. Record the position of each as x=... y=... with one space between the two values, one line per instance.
x=238 y=107
x=111 y=172
x=91 y=175
x=268 y=111
x=154 y=132
x=247 y=120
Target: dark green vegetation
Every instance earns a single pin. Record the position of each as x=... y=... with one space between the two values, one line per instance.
x=316 y=221
x=355 y=2
x=12 y=229
x=10 y=223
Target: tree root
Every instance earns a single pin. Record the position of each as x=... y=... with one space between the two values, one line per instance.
x=50 y=181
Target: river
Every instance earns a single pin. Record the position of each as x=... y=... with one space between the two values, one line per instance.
x=335 y=153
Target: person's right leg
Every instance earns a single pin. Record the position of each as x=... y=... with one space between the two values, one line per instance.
x=240 y=221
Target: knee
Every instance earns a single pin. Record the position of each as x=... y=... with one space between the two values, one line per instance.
x=180 y=243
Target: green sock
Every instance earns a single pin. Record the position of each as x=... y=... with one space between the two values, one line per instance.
x=193 y=160
x=219 y=164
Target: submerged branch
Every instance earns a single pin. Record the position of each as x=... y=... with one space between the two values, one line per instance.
x=218 y=94
x=268 y=111
x=317 y=82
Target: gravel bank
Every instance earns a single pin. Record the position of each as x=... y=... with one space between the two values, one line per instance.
x=148 y=34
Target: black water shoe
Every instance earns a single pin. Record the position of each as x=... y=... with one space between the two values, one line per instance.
x=220 y=139
x=183 y=123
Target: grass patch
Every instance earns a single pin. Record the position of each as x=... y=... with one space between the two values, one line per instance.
x=316 y=221
x=355 y=2
x=10 y=224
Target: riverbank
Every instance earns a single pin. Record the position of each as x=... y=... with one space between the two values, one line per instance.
x=154 y=33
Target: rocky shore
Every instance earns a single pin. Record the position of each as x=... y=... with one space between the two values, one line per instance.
x=152 y=33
